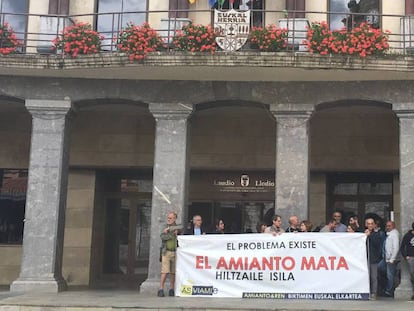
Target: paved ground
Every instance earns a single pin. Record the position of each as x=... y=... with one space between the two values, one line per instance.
x=105 y=300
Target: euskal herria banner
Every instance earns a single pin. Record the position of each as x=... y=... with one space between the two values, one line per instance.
x=329 y=266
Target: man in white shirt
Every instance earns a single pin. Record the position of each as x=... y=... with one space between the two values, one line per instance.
x=388 y=265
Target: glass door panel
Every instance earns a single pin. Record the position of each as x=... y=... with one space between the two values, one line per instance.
x=126 y=246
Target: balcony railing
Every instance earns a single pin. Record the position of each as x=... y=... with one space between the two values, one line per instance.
x=36 y=32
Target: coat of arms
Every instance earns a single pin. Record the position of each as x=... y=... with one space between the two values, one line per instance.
x=232 y=27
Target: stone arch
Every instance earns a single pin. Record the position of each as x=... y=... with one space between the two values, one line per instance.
x=11 y=102
x=111 y=103
x=352 y=102
x=119 y=132
x=230 y=139
x=359 y=129
x=229 y=103
x=350 y=139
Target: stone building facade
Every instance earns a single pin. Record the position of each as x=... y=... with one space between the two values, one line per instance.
x=108 y=147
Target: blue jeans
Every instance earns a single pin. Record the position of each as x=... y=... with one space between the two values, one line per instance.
x=390 y=270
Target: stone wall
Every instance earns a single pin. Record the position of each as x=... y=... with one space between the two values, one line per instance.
x=354 y=138
x=15 y=133
x=112 y=139
x=78 y=228
x=11 y=257
x=317 y=199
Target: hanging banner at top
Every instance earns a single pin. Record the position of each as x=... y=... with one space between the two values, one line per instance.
x=233 y=28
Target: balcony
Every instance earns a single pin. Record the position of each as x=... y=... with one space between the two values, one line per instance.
x=35 y=56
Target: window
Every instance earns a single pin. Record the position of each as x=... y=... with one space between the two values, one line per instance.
x=360 y=194
x=109 y=24
x=176 y=5
x=8 y=14
x=13 y=185
x=59 y=7
x=350 y=13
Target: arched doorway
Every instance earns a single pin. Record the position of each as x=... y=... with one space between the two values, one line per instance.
x=354 y=153
x=232 y=164
x=109 y=194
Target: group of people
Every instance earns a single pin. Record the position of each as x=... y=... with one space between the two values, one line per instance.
x=169 y=245
x=384 y=248
x=385 y=253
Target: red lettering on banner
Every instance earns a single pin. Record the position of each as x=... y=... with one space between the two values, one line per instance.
x=236 y=264
x=222 y=264
x=254 y=263
x=202 y=262
x=331 y=263
x=342 y=264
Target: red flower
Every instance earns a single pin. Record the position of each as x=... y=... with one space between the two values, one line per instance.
x=363 y=40
x=268 y=39
x=196 y=38
x=8 y=40
x=79 y=38
x=138 y=41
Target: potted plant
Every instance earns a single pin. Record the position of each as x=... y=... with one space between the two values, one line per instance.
x=138 y=41
x=196 y=38
x=268 y=39
x=362 y=41
x=78 y=38
x=8 y=40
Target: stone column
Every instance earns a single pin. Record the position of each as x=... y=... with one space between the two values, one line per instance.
x=405 y=113
x=170 y=179
x=44 y=226
x=292 y=160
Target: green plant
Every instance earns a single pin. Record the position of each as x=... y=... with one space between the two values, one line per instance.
x=268 y=39
x=138 y=41
x=196 y=38
x=77 y=39
x=8 y=40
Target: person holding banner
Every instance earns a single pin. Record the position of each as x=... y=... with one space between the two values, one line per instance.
x=219 y=224
x=293 y=224
x=388 y=265
x=354 y=224
x=407 y=251
x=275 y=228
x=196 y=227
x=169 y=245
x=261 y=227
x=306 y=226
x=375 y=240
x=335 y=225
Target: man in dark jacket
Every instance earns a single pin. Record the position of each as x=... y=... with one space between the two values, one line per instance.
x=375 y=240
x=407 y=252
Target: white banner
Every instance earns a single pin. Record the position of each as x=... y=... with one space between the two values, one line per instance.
x=289 y=266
